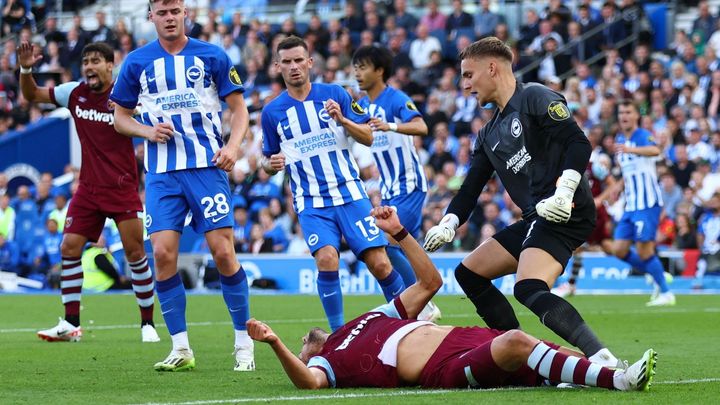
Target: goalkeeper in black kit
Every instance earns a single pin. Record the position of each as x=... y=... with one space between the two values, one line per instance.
x=539 y=153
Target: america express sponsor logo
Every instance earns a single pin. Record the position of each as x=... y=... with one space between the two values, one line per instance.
x=381 y=140
x=518 y=161
x=94 y=115
x=311 y=143
x=356 y=331
x=177 y=101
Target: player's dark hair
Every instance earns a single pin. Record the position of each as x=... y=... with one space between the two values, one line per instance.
x=290 y=42
x=628 y=103
x=317 y=336
x=101 y=48
x=380 y=58
x=489 y=46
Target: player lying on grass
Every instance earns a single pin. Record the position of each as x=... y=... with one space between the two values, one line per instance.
x=388 y=347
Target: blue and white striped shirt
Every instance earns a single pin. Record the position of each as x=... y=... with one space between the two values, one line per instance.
x=394 y=153
x=183 y=89
x=317 y=155
x=642 y=190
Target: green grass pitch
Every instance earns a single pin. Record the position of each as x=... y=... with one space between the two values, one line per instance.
x=111 y=366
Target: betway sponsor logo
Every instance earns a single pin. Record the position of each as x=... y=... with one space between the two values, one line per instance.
x=518 y=161
x=94 y=115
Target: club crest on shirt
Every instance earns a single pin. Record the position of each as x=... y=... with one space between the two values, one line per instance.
x=111 y=105
x=68 y=222
x=357 y=109
x=558 y=111
x=234 y=77
x=411 y=106
x=195 y=74
x=516 y=127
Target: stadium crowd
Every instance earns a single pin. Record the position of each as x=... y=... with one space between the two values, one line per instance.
x=677 y=90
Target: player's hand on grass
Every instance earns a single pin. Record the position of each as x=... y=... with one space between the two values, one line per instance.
x=260 y=331
x=442 y=233
x=334 y=110
x=376 y=124
x=160 y=133
x=386 y=218
x=225 y=158
x=26 y=55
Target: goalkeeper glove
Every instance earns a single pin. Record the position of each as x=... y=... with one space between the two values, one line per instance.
x=441 y=233
x=557 y=208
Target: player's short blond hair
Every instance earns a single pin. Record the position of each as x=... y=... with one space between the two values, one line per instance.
x=489 y=46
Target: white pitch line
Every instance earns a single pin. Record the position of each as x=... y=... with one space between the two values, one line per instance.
x=648 y=311
x=383 y=394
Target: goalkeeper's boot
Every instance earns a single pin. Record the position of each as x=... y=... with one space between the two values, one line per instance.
x=178 y=360
x=430 y=313
x=639 y=376
x=64 y=331
x=244 y=358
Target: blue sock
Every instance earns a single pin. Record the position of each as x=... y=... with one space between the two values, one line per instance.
x=401 y=264
x=633 y=258
x=171 y=294
x=392 y=285
x=235 y=293
x=653 y=266
x=328 y=286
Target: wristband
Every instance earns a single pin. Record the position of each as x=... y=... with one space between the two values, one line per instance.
x=25 y=71
x=393 y=126
x=400 y=235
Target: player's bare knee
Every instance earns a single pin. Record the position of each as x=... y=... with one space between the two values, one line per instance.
x=379 y=265
x=163 y=255
x=518 y=342
x=134 y=254
x=327 y=259
x=68 y=249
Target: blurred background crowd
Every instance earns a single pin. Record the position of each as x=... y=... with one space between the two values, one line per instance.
x=594 y=53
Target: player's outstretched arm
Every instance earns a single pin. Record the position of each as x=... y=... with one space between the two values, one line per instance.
x=414 y=127
x=30 y=90
x=428 y=280
x=302 y=376
x=128 y=126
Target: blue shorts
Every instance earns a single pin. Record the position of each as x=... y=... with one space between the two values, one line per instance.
x=203 y=192
x=638 y=226
x=409 y=209
x=326 y=226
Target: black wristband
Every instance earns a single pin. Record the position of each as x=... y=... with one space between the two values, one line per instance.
x=400 y=235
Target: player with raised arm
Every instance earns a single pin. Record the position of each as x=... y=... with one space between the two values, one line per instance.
x=179 y=83
x=395 y=119
x=108 y=185
x=305 y=130
x=538 y=151
x=636 y=153
x=388 y=347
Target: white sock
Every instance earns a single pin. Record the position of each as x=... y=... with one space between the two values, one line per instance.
x=242 y=338
x=180 y=341
x=619 y=380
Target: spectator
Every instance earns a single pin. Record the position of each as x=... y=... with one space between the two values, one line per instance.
x=614 y=31
x=7 y=216
x=14 y=16
x=259 y=242
x=546 y=31
x=671 y=193
x=434 y=19
x=685 y=235
x=683 y=167
x=297 y=245
x=705 y=23
x=103 y=33
x=486 y=20
x=530 y=30
x=241 y=228
x=422 y=47
x=52 y=34
x=231 y=49
x=351 y=20
x=465 y=110
x=458 y=19
x=9 y=255
x=697 y=149
x=272 y=230
x=708 y=239
x=192 y=27
x=403 y=19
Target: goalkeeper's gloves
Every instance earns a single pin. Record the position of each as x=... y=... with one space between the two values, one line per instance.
x=557 y=208
x=441 y=233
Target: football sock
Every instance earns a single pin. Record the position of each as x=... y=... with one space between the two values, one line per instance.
x=559 y=367
x=575 y=269
x=557 y=314
x=392 y=285
x=242 y=338
x=235 y=292
x=490 y=303
x=328 y=286
x=652 y=266
x=143 y=287
x=401 y=264
x=171 y=294
x=180 y=340
x=71 y=280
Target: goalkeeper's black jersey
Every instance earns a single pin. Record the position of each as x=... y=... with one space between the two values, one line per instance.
x=528 y=144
